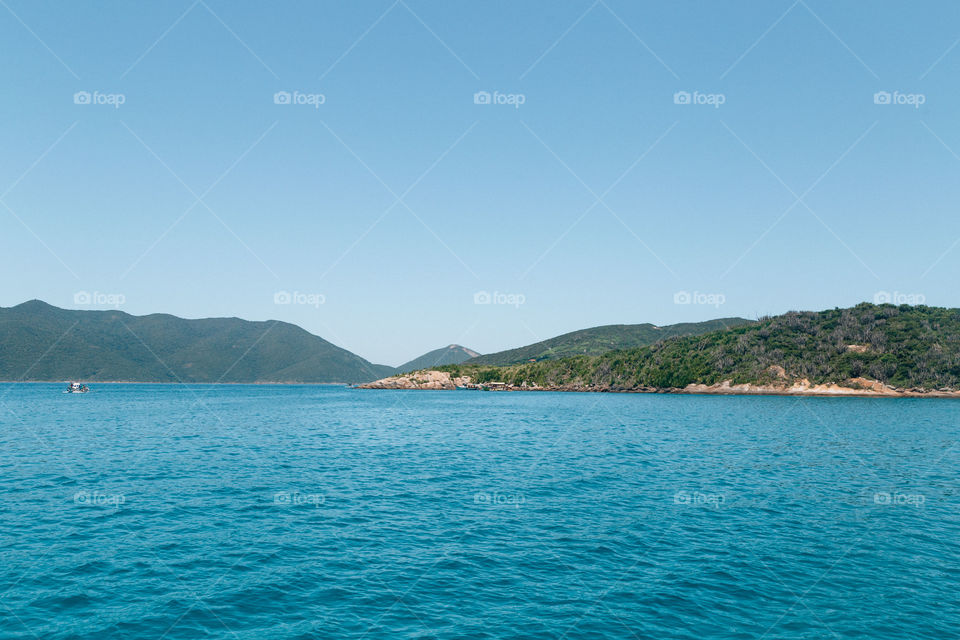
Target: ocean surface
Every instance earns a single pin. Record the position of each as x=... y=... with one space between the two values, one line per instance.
x=262 y=512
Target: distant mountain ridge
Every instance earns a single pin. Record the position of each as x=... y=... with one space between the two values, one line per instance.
x=598 y=340
x=452 y=354
x=41 y=342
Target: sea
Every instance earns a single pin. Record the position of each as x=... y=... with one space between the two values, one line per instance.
x=259 y=512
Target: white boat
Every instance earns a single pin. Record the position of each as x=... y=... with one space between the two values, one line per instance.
x=76 y=387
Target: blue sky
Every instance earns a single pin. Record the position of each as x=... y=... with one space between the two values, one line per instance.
x=375 y=218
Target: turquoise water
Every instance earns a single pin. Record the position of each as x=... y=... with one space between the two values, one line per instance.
x=261 y=512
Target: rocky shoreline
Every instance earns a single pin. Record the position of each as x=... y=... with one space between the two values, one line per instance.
x=431 y=380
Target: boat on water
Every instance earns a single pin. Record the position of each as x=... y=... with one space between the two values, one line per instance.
x=76 y=387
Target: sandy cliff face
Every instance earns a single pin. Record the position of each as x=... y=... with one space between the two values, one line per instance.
x=855 y=387
x=803 y=387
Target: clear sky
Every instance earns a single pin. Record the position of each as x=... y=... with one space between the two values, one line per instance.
x=374 y=204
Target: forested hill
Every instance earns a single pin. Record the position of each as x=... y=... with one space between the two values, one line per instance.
x=597 y=340
x=42 y=342
x=905 y=347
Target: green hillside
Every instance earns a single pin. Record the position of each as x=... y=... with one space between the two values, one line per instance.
x=905 y=347
x=42 y=342
x=598 y=340
x=452 y=354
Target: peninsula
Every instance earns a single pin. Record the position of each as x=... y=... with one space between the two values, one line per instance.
x=866 y=350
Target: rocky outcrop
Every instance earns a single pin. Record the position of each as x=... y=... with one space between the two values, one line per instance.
x=431 y=380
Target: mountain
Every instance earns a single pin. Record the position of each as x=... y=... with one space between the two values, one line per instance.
x=452 y=354
x=42 y=342
x=880 y=347
x=597 y=340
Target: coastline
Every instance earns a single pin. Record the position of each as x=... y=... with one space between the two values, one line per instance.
x=859 y=387
x=441 y=381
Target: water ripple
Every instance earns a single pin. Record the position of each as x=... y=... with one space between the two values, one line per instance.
x=324 y=512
